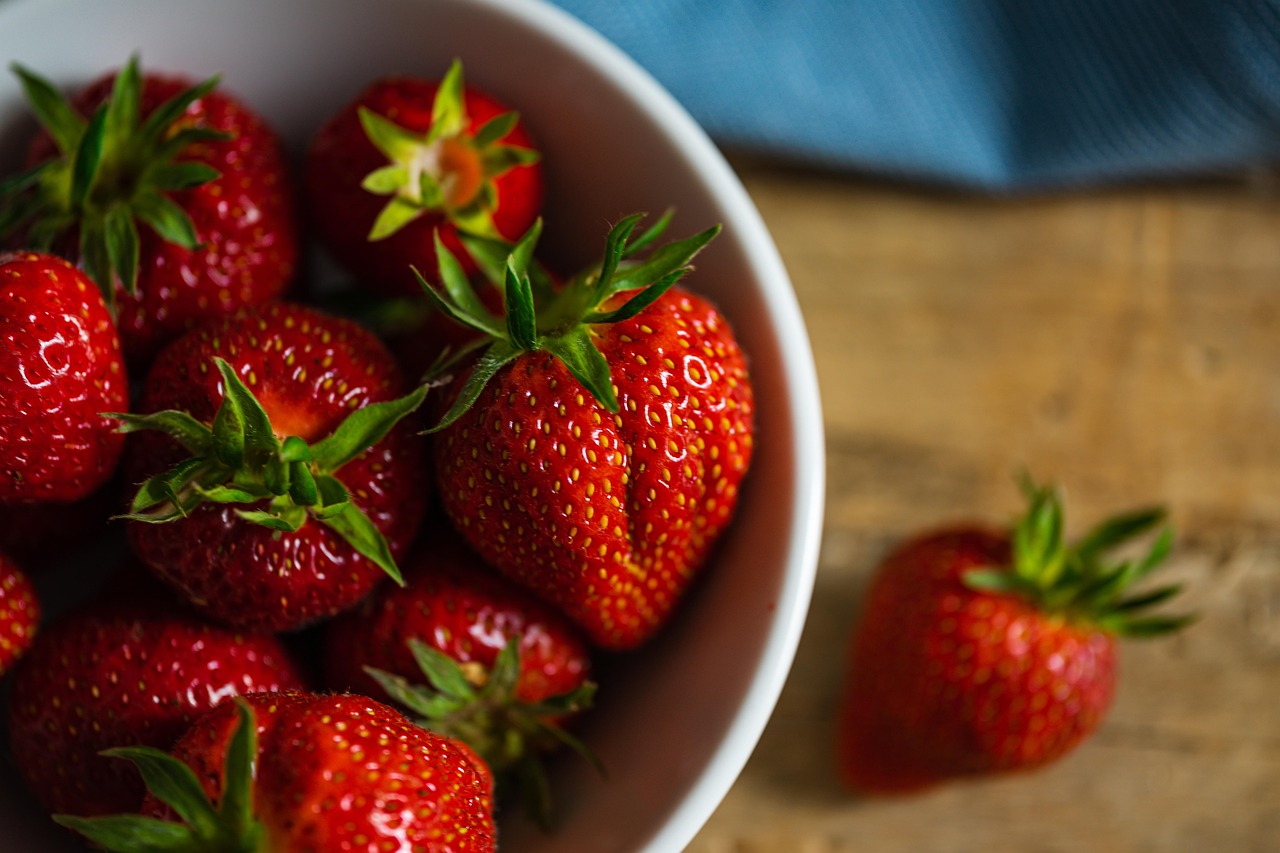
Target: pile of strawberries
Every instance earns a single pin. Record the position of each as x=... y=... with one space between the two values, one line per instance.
x=369 y=567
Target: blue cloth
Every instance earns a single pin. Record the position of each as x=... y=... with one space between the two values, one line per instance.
x=997 y=94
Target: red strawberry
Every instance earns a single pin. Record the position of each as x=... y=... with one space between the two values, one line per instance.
x=124 y=670
x=297 y=772
x=299 y=491
x=19 y=614
x=409 y=157
x=473 y=657
x=452 y=602
x=985 y=651
x=175 y=199
x=60 y=367
x=595 y=451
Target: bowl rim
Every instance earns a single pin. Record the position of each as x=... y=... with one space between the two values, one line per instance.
x=804 y=412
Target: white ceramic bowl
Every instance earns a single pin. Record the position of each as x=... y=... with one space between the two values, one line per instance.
x=679 y=719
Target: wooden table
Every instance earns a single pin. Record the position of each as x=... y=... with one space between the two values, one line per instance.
x=1123 y=342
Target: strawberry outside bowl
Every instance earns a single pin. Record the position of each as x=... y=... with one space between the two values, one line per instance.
x=676 y=720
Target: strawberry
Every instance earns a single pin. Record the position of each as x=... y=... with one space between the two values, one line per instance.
x=175 y=199
x=305 y=773
x=473 y=657
x=19 y=613
x=593 y=452
x=409 y=157
x=297 y=491
x=60 y=366
x=124 y=669
x=985 y=651
x=454 y=603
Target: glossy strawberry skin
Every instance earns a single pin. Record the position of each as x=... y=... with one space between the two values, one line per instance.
x=121 y=671
x=342 y=212
x=245 y=221
x=60 y=368
x=948 y=682
x=455 y=603
x=341 y=772
x=19 y=614
x=309 y=371
x=609 y=517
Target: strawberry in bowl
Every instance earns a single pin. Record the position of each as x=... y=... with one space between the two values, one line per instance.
x=19 y=613
x=411 y=157
x=472 y=656
x=594 y=449
x=282 y=485
x=298 y=771
x=133 y=667
x=60 y=368
x=173 y=196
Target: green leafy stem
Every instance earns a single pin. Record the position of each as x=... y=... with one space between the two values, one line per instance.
x=412 y=177
x=1079 y=579
x=239 y=460
x=561 y=324
x=113 y=171
x=509 y=734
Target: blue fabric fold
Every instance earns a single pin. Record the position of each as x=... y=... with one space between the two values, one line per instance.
x=997 y=94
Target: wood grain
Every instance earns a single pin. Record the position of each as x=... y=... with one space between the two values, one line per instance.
x=1123 y=342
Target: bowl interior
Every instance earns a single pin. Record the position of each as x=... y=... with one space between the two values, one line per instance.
x=677 y=720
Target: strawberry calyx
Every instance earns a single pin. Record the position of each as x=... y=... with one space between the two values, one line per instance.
x=448 y=169
x=229 y=827
x=1079 y=580
x=478 y=706
x=560 y=321
x=114 y=171
x=239 y=459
